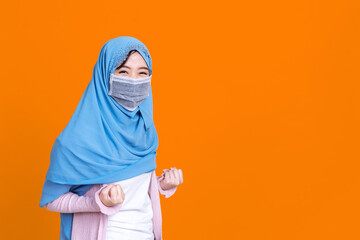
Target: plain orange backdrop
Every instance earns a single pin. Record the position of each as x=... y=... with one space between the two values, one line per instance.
x=256 y=101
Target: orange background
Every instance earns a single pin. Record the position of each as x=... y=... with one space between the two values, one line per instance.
x=257 y=102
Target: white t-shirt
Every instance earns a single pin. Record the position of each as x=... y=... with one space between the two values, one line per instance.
x=134 y=220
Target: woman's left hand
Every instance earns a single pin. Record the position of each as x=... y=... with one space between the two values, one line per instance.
x=172 y=178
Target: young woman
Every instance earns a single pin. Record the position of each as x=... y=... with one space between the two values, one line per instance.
x=101 y=176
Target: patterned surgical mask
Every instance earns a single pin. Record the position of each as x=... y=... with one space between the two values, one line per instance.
x=129 y=92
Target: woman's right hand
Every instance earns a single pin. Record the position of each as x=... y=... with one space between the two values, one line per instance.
x=111 y=195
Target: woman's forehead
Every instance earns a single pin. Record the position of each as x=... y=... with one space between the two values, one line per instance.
x=134 y=58
x=117 y=50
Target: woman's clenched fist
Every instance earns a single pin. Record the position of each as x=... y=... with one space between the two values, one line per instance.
x=172 y=178
x=111 y=195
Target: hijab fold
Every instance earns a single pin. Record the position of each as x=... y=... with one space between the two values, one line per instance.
x=103 y=142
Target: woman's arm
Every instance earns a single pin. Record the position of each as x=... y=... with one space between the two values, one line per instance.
x=72 y=203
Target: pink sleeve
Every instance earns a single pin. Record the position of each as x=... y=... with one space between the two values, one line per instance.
x=72 y=203
x=166 y=193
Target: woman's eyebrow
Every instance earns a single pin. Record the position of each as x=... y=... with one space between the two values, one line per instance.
x=124 y=67
x=144 y=68
x=139 y=67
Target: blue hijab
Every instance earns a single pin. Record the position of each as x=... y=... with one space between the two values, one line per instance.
x=103 y=142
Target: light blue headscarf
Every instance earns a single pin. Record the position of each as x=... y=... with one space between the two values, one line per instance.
x=103 y=141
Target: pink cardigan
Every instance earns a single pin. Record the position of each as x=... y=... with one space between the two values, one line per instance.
x=91 y=215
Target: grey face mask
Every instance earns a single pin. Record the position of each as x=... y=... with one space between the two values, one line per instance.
x=129 y=92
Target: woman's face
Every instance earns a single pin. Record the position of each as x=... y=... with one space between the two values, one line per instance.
x=134 y=67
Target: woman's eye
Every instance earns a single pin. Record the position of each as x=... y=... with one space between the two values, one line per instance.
x=122 y=71
x=143 y=73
